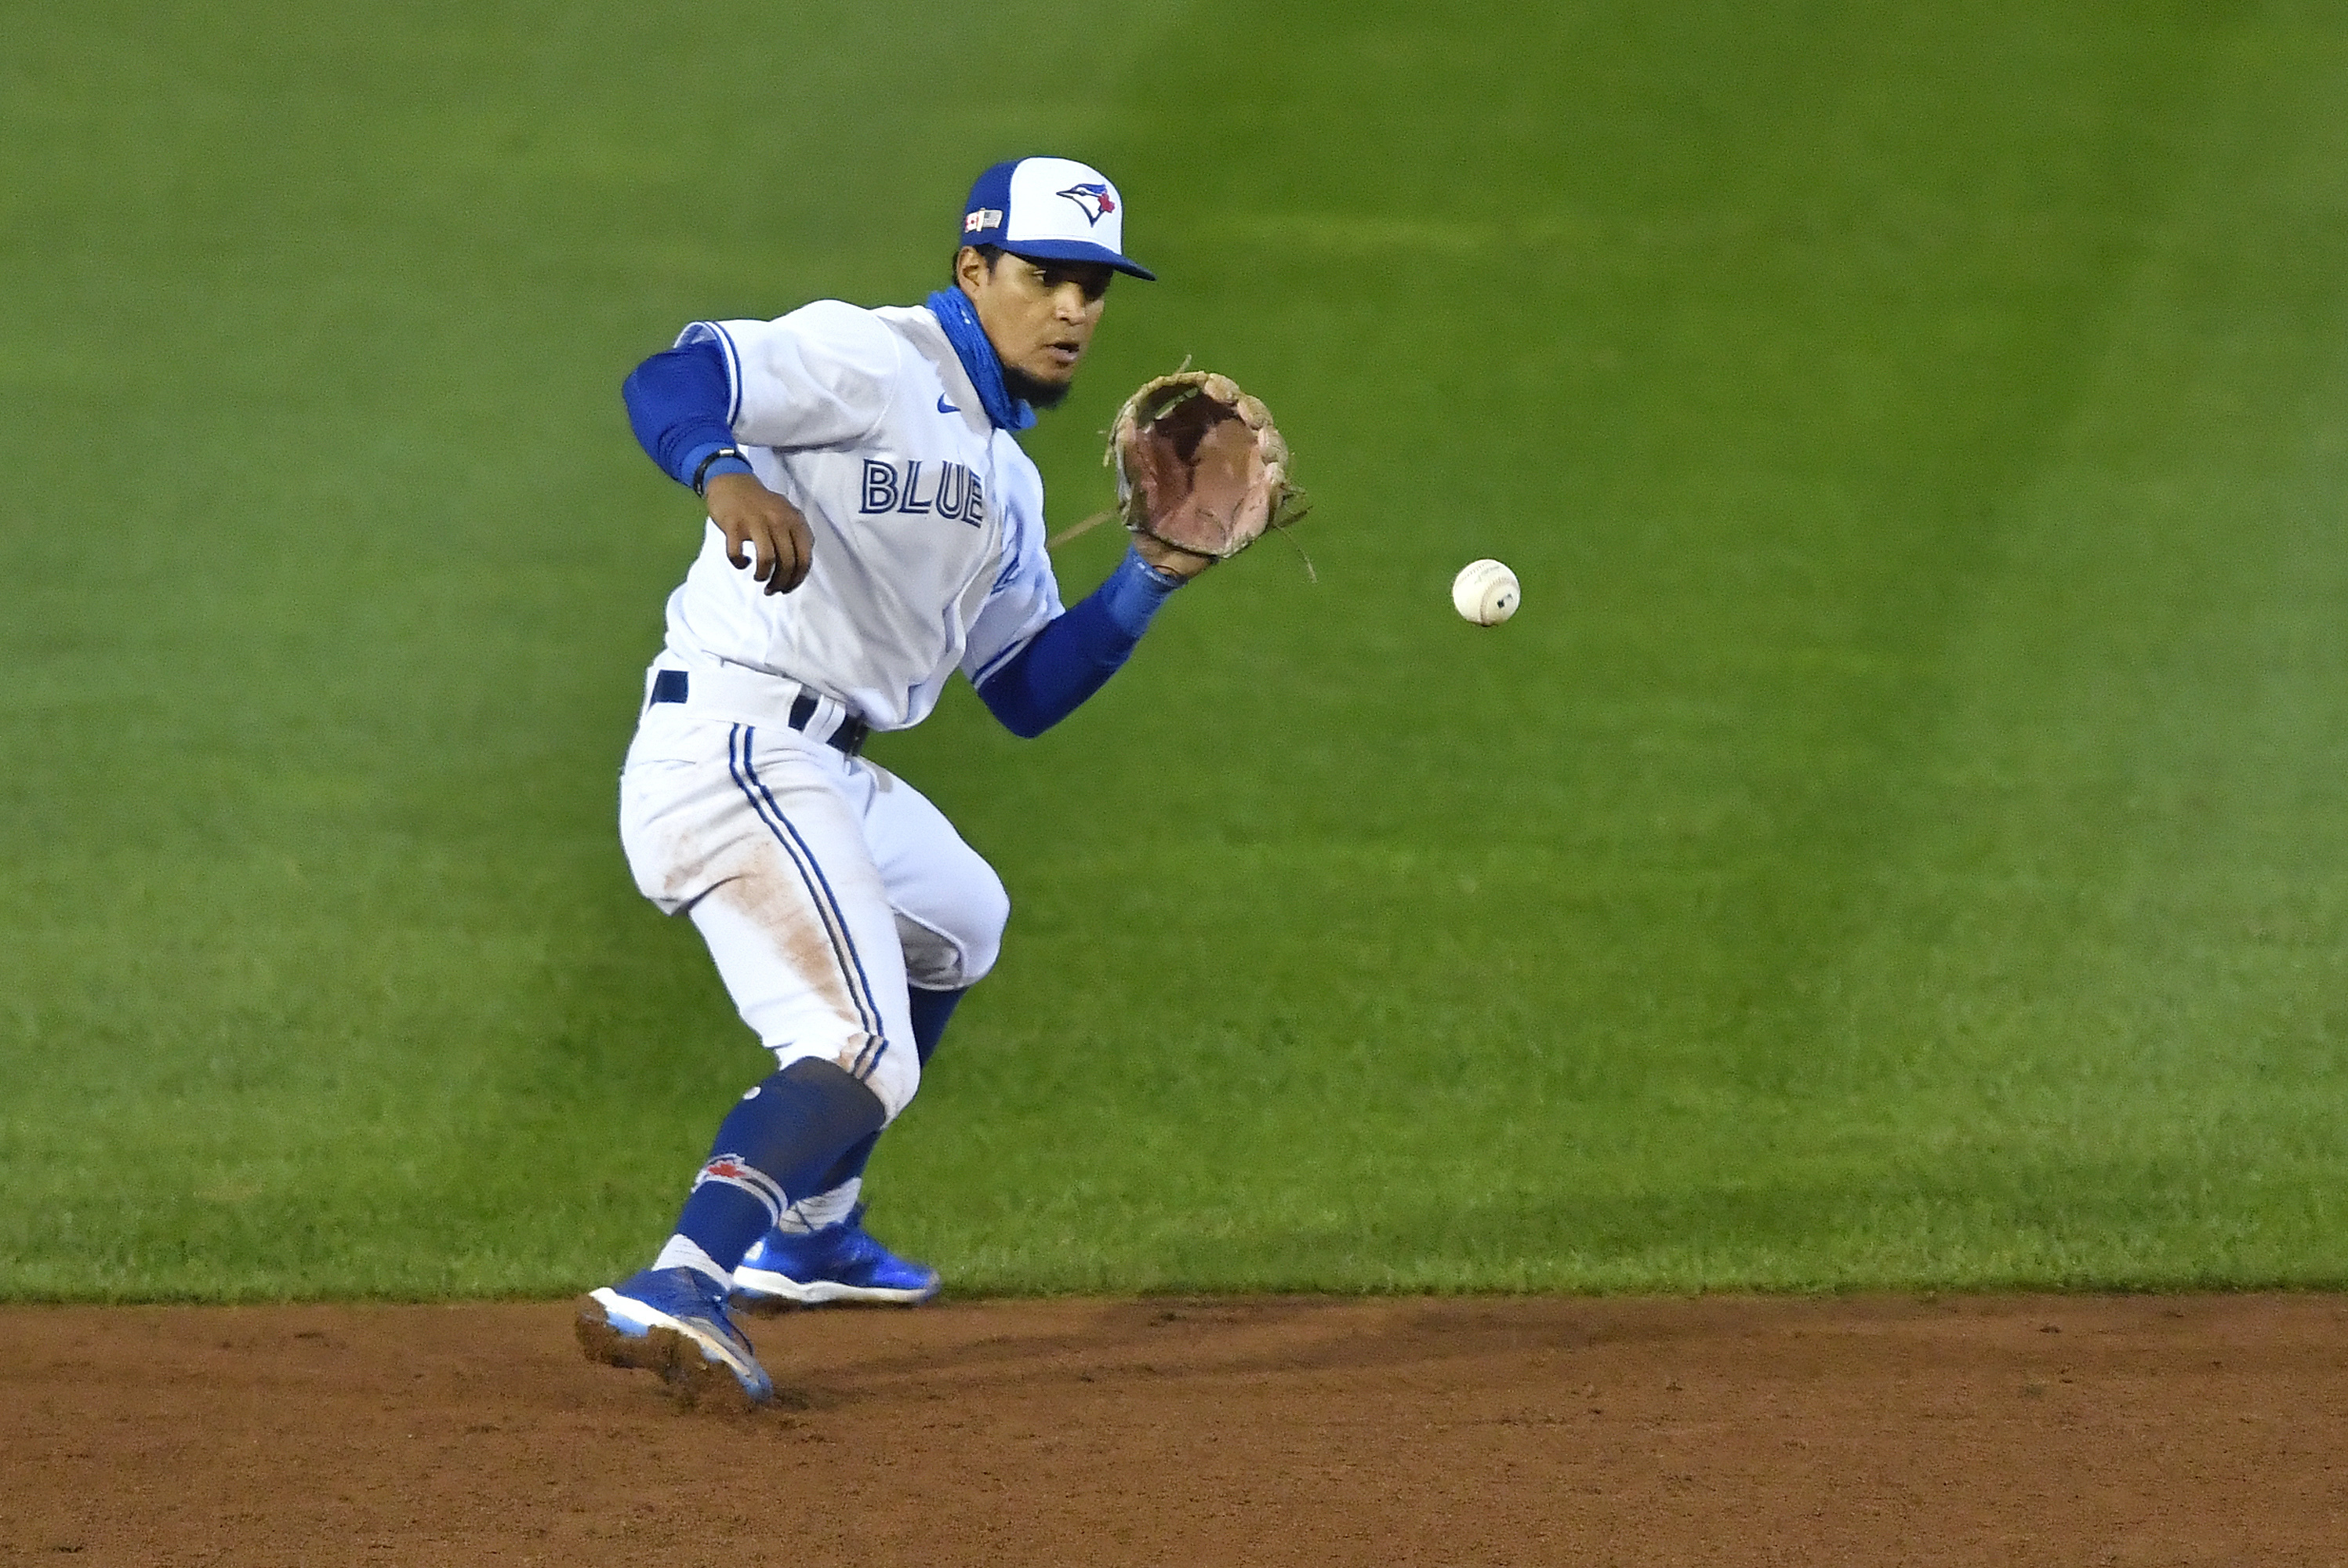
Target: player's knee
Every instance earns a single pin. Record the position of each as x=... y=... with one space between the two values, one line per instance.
x=887 y=1067
x=990 y=914
x=896 y=1077
x=953 y=944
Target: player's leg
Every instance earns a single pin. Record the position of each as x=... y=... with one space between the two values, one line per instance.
x=818 y=1250
x=951 y=910
x=755 y=835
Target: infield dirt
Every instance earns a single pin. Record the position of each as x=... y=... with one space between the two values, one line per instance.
x=1729 y=1430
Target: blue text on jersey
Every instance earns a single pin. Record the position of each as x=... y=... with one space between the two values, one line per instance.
x=954 y=493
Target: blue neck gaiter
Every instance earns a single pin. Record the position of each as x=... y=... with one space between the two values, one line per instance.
x=952 y=307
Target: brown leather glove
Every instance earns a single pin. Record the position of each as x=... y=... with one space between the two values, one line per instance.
x=1201 y=465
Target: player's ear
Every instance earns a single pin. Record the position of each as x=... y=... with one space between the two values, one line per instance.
x=971 y=269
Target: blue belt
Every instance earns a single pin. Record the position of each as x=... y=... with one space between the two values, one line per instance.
x=674 y=686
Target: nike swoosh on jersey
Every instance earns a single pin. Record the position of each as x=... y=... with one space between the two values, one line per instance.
x=944 y=407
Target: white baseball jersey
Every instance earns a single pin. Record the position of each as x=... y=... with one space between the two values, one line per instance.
x=928 y=520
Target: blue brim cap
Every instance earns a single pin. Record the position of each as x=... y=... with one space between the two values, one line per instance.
x=1076 y=251
x=1050 y=209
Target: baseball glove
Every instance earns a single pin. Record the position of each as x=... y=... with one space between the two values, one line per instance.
x=1201 y=465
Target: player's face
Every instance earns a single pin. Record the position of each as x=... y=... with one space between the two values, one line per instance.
x=1039 y=314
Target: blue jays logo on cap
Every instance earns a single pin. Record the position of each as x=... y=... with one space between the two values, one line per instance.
x=1049 y=209
x=1094 y=197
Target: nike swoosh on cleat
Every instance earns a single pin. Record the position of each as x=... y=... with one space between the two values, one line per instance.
x=944 y=407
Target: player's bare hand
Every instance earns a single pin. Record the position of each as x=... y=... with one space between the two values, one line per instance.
x=764 y=532
x=1184 y=563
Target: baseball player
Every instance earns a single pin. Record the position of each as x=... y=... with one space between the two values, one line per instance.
x=873 y=528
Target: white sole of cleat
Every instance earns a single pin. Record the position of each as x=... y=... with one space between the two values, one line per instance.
x=758 y=1288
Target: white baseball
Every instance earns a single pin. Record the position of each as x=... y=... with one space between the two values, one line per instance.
x=1486 y=592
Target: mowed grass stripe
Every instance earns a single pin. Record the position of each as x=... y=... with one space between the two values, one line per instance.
x=2107 y=957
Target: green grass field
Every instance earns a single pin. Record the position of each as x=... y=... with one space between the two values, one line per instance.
x=1903 y=842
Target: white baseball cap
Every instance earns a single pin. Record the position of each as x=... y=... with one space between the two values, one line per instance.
x=1054 y=209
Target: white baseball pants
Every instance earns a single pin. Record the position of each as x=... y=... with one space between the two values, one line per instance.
x=823 y=883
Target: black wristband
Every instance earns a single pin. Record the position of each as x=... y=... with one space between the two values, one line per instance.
x=700 y=474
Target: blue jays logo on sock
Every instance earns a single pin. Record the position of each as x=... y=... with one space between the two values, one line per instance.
x=734 y=1171
x=1094 y=197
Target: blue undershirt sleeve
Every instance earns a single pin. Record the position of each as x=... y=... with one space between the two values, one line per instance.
x=676 y=403
x=1074 y=656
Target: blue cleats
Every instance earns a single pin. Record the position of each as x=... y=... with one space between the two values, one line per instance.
x=675 y=1322
x=838 y=1262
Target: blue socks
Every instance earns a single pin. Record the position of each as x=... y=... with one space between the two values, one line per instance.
x=777 y=1141
x=802 y=1133
x=932 y=1009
